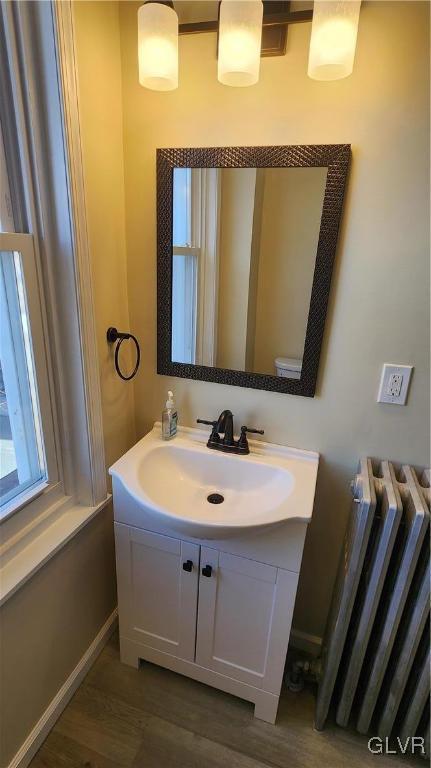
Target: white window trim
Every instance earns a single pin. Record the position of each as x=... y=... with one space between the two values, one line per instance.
x=189 y=298
x=67 y=64
x=205 y=226
x=206 y=344
x=193 y=265
x=36 y=532
x=26 y=219
x=24 y=245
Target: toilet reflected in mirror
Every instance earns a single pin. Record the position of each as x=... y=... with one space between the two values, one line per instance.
x=288 y=367
x=244 y=250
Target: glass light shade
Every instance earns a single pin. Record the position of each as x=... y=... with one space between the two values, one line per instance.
x=333 y=39
x=158 y=47
x=240 y=36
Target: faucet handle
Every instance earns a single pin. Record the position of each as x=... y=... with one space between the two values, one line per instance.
x=215 y=437
x=255 y=431
x=243 y=442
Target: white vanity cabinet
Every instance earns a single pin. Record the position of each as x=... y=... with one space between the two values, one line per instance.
x=215 y=616
x=244 y=617
x=157 y=590
x=207 y=590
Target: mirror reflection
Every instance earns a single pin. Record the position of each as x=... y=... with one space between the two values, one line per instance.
x=244 y=250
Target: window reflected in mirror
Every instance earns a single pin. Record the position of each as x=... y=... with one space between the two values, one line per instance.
x=244 y=249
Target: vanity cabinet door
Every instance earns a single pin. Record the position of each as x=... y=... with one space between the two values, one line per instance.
x=244 y=618
x=157 y=590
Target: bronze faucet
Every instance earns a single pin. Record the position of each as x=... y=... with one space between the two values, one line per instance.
x=224 y=425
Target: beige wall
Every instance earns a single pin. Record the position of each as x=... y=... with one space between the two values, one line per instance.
x=379 y=299
x=97 y=40
x=291 y=213
x=47 y=626
x=237 y=187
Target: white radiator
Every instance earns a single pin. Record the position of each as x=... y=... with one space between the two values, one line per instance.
x=375 y=655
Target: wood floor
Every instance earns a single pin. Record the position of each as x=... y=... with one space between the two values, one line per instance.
x=153 y=718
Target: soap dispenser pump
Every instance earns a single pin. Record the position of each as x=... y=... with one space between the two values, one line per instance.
x=169 y=418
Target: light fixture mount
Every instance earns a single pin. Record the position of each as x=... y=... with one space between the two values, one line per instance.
x=277 y=16
x=169 y=3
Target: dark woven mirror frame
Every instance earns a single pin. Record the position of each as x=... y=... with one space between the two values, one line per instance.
x=334 y=157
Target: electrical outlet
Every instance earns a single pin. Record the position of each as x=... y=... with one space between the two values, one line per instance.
x=394 y=384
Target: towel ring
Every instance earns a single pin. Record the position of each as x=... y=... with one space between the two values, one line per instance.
x=113 y=336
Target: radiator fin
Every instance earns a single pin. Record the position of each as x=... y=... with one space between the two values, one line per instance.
x=375 y=654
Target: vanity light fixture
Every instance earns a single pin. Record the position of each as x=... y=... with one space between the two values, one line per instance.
x=240 y=36
x=333 y=39
x=248 y=30
x=158 y=46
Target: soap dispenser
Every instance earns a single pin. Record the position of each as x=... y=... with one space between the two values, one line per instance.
x=169 y=418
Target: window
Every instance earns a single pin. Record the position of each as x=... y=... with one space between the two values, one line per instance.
x=22 y=460
x=27 y=455
x=186 y=248
x=52 y=463
x=194 y=270
x=22 y=451
x=27 y=452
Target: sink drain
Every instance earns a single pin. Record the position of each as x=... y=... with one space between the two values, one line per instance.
x=215 y=498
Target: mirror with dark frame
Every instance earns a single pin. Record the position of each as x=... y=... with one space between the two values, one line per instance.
x=246 y=244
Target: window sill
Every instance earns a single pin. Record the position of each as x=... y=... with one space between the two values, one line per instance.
x=27 y=559
x=22 y=499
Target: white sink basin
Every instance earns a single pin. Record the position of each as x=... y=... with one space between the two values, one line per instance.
x=173 y=480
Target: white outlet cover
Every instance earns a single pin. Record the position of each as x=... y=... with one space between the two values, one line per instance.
x=388 y=370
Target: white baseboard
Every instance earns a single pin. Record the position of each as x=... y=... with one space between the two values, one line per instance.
x=303 y=641
x=40 y=731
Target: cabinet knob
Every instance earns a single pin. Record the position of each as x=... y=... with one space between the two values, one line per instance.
x=188 y=566
x=207 y=571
